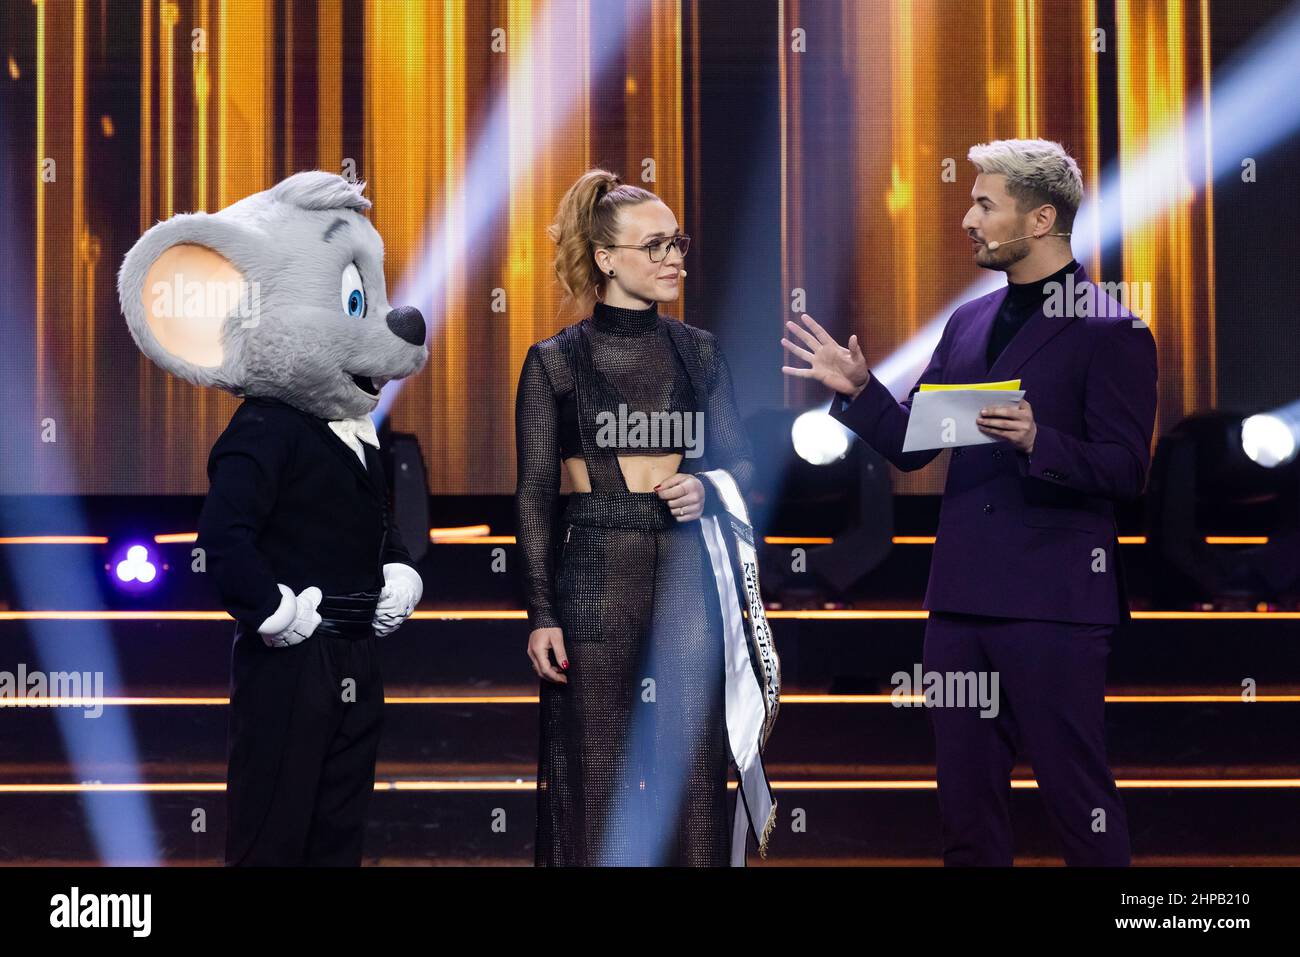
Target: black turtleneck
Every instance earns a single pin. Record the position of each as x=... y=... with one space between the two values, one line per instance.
x=618 y=321
x=1022 y=301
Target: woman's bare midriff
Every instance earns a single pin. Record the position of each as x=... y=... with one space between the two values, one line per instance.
x=641 y=472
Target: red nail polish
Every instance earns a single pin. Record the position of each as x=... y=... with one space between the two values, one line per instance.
x=564 y=664
x=656 y=488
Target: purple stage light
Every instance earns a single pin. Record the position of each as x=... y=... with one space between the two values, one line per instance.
x=135 y=569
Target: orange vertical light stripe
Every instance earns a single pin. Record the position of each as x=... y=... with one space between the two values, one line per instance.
x=41 y=198
x=1092 y=161
x=1211 y=321
x=329 y=85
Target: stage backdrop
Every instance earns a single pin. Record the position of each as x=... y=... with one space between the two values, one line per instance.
x=814 y=150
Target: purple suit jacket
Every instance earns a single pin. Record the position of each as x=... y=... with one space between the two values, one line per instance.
x=1034 y=536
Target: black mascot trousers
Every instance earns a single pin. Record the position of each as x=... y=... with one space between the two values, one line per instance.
x=305 y=723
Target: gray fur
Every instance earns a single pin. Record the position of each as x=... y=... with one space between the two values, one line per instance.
x=301 y=345
x=317 y=190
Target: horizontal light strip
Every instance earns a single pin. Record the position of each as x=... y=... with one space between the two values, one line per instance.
x=158 y=787
x=190 y=702
x=855 y=614
x=461 y=531
x=114 y=616
x=858 y=613
x=480 y=535
x=1110 y=699
x=1122 y=539
x=1212 y=784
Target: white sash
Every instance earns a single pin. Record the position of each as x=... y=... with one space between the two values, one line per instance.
x=753 y=671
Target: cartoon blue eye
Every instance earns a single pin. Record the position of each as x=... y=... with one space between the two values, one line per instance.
x=352 y=292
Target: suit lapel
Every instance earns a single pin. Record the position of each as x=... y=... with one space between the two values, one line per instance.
x=375 y=471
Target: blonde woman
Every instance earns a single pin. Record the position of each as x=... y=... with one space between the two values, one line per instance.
x=625 y=627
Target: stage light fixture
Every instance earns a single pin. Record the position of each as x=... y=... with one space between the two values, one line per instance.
x=818 y=438
x=1270 y=439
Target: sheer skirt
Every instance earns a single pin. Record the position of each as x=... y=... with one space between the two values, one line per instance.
x=633 y=761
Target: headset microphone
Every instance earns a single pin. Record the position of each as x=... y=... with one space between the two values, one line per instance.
x=993 y=246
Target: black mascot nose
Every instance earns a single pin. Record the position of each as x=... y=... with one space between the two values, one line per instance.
x=407 y=324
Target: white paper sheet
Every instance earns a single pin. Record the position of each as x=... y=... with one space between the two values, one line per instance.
x=946 y=418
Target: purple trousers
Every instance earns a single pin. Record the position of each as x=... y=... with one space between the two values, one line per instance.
x=1051 y=682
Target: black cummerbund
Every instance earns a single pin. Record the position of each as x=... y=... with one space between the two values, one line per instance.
x=347 y=616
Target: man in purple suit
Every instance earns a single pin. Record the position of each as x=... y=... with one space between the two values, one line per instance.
x=1025 y=579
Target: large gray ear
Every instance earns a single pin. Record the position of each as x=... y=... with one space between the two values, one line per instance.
x=181 y=286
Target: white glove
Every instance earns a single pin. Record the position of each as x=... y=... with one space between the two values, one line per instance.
x=403 y=587
x=294 y=620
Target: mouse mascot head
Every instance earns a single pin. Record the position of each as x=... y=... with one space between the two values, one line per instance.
x=279 y=295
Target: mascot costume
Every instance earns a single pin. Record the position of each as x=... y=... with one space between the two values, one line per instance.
x=280 y=299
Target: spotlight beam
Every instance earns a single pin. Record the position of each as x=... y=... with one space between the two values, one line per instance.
x=509 y=132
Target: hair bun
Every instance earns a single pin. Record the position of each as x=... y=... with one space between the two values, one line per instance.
x=605 y=187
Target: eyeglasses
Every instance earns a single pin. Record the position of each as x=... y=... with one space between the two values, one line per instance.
x=658 y=250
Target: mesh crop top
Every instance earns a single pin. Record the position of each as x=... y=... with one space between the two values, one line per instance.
x=635 y=342
x=631 y=349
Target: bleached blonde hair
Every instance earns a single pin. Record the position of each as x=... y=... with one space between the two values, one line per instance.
x=1038 y=172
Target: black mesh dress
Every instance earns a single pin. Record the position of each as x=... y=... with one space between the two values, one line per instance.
x=633 y=761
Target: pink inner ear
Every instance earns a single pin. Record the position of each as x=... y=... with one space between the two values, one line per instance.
x=187 y=295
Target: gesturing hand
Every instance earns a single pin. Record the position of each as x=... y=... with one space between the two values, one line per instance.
x=838 y=368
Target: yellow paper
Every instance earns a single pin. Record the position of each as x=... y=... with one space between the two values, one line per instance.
x=1005 y=384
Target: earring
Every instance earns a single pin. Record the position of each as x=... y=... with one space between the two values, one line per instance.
x=611 y=272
